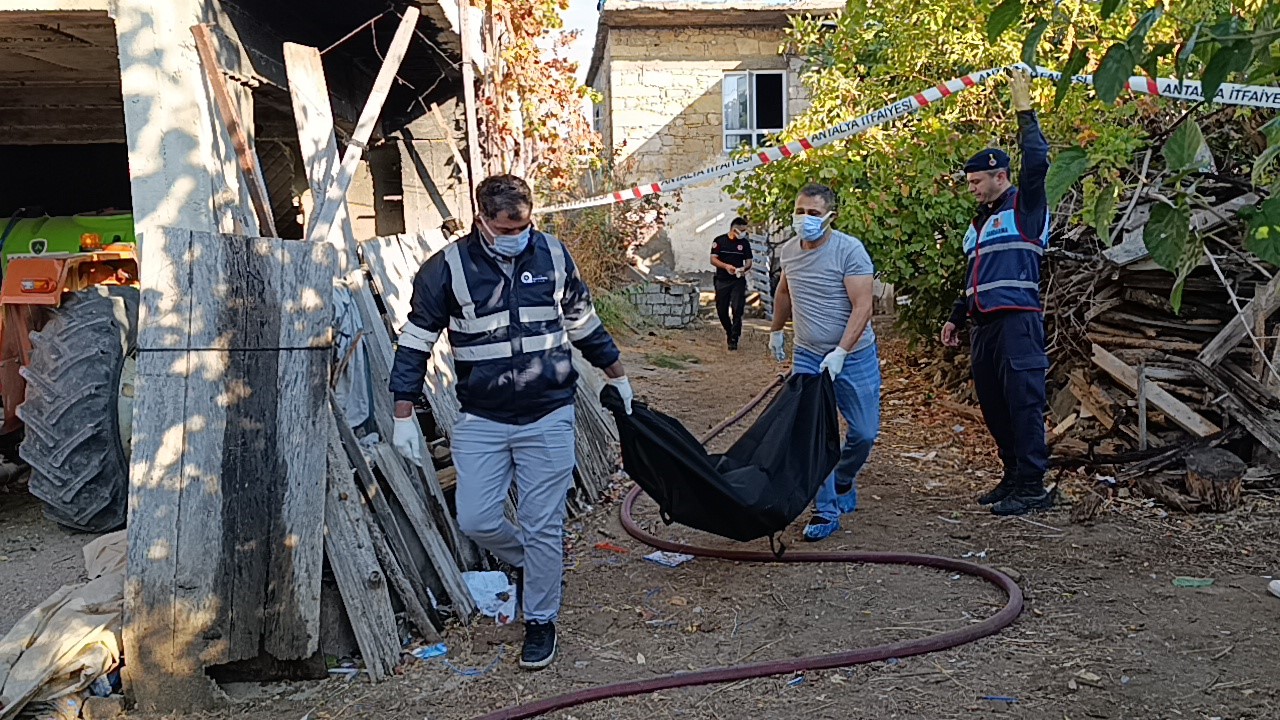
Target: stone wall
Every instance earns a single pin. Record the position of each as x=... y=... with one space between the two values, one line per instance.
x=668 y=303
x=662 y=90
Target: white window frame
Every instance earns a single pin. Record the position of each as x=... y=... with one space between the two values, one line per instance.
x=751 y=109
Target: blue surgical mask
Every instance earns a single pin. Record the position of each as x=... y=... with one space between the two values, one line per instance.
x=809 y=227
x=511 y=245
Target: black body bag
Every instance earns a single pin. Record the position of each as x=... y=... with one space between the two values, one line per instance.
x=755 y=489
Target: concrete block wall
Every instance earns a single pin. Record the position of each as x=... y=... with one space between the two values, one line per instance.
x=664 y=115
x=668 y=303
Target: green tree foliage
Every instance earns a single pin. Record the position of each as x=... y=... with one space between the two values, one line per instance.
x=1210 y=41
x=898 y=184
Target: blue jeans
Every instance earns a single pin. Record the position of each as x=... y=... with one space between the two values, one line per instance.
x=858 y=396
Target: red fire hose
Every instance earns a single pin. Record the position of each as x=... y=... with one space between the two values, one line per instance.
x=845 y=658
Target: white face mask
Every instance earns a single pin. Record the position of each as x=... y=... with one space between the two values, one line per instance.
x=509 y=245
x=810 y=227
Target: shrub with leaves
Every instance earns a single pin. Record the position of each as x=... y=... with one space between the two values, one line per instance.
x=898 y=185
x=1211 y=42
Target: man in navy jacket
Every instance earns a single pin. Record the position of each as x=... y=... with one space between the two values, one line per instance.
x=1004 y=245
x=512 y=302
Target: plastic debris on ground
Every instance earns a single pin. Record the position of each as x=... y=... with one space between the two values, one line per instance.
x=493 y=593
x=668 y=559
x=610 y=547
x=1192 y=582
x=477 y=672
x=431 y=651
x=999 y=698
x=350 y=673
x=796 y=681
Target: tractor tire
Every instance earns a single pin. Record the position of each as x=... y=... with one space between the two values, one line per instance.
x=73 y=410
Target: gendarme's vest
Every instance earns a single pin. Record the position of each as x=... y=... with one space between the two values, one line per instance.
x=1004 y=264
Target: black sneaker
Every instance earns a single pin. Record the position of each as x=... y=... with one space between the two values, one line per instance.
x=733 y=344
x=1021 y=503
x=539 y=645
x=1001 y=491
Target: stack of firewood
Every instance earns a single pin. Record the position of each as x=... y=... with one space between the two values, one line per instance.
x=1140 y=386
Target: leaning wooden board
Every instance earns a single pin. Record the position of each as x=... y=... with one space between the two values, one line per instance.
x=225 y=544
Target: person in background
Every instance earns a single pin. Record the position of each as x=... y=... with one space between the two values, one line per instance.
x=512 y=302
x=826 y=289
x=1004 y=244
x=731 y=257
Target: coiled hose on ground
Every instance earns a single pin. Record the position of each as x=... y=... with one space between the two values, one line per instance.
x=845 y=658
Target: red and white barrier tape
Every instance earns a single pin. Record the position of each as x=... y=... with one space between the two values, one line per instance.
x=1259 y=96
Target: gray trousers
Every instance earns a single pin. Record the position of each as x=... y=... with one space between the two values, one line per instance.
x=539 y=457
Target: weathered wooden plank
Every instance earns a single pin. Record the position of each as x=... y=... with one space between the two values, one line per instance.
x=392 y=466
x=416 y=598
x=327 y=205
x=313 y=114
x=293 y=595
x=161 y=618
x=1262 y=424
x=349 y=547
x=1262 y=305
x=257 y=293
x=226 y=503
x=1176 y=410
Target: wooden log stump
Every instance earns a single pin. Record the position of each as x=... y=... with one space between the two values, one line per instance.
x=1215 y=476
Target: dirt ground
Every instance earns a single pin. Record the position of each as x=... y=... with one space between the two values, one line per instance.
x=1105 y=633
x=36 y=556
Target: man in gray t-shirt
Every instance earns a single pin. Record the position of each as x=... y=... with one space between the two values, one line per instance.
x=826 y=290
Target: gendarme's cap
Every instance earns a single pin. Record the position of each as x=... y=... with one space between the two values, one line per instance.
x=989 y=159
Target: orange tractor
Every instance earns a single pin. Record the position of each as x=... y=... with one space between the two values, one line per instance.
x=69 y=296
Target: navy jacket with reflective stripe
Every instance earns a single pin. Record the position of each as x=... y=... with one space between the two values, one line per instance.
x=510 y=335
x=1006 y=241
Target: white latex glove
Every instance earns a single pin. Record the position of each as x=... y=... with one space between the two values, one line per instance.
x=406 y=438
x=778 y=345
x=833 y=363
x=624 y=389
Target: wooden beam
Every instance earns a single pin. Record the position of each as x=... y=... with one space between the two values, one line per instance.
x=313 y=114
x=396 y=556
x=1173 y=408
x=363 y=584
x=250 y=169
x=1262 y=305
x=1263 y=424
x=414 y=502
x=477 y=167
x=327 y=205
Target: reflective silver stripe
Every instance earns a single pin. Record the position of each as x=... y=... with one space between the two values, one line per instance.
x=415 y=337
x=539 y=313
x=557 y=262
x=482 y=324
x=583 y=326
x=461 y=292
x=998 y=284
x=535 y=343
x=1015 y=245
x=490 y=351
